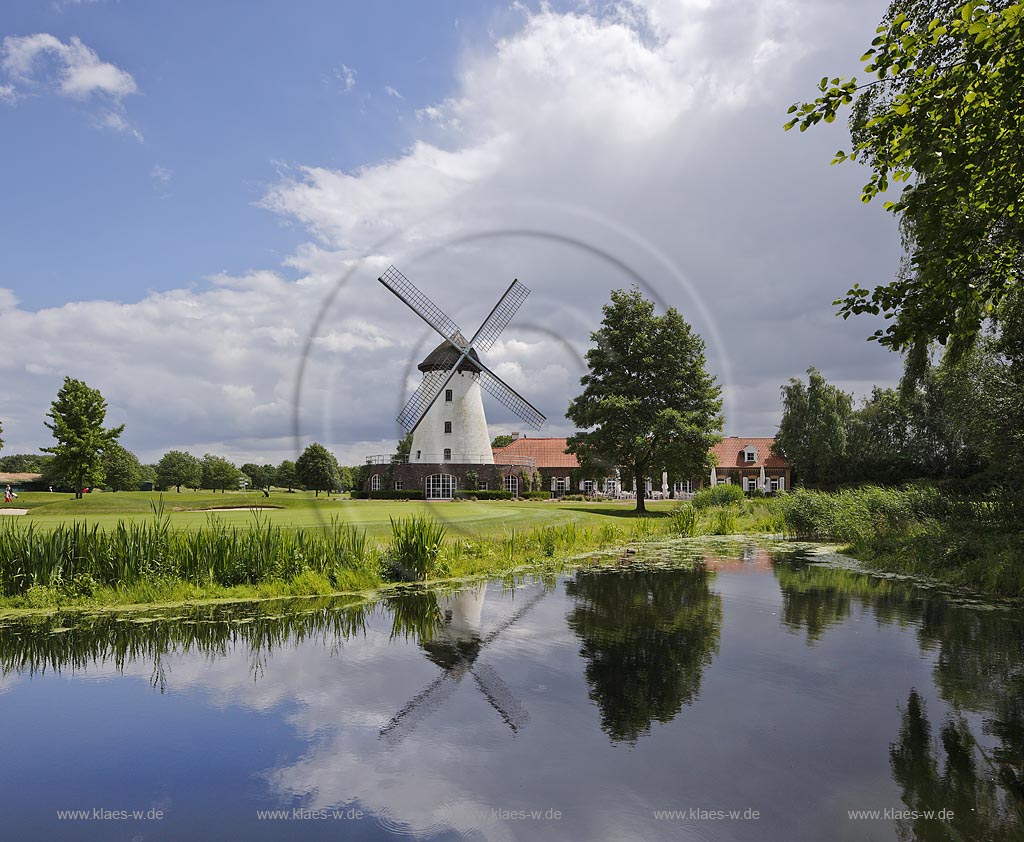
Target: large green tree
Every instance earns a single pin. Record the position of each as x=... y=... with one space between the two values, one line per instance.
x=317 y=469
x=177 y=468
x=812 y=433
x=944 y=116
x=260 y=476
x=218 y=473
x=284 y=476
x=648 y=403
x=76 y=421
x=121 y=469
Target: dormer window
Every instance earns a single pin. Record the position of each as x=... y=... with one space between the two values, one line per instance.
x=749 y=454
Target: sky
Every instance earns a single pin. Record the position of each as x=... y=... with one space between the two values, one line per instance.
x=196 y=200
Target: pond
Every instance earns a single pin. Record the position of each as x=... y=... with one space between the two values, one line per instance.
x=757 y=694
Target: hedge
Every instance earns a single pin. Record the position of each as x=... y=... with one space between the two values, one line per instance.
x=534 y=495
x=483 y=495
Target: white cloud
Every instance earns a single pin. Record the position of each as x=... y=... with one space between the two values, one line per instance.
x=347 y=76
x=392 y=92
x=577 y=153
x=72 y=69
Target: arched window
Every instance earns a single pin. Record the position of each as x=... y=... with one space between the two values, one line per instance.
x=447 y=454
x=439 y=487
x=447 y=426
x=375 y=482
x=512 y=484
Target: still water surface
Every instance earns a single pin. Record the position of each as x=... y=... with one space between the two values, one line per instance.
x=759 y=695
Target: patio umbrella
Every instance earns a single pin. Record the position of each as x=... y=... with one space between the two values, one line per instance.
x=714 y=477
x=761 y=481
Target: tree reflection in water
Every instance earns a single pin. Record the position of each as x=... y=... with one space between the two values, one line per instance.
x=647 y=637
x=979 y=669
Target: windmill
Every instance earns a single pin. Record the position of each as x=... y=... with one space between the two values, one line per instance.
x=455 y=429
x=456 y=650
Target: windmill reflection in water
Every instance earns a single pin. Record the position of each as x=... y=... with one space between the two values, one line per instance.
x=449 y=628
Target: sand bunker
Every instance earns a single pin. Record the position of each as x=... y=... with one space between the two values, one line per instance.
x=235 y=509
x=9 y=511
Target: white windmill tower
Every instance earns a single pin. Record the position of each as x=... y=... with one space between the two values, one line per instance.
x=446 y=413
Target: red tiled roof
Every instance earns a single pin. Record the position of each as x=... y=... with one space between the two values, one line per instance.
x=546 y=453
x=550 y=453
x=727 y=451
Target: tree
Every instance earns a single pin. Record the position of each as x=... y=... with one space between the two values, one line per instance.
x=501 y=441
x=648 y=403
x=77 y=417
x=177 y=468
x=317 y=468
x=121 y=468
x=260 y=476
x=812 y=433
x=285 y=477
x=147 y=473
x=404 y=448
x=1 y=435
x=942 y=117
x=219 y=473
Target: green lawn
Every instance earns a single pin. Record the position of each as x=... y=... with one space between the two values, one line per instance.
x=304 y=509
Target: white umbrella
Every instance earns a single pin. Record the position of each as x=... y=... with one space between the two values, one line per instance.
x=761 y=481
x=714 y=477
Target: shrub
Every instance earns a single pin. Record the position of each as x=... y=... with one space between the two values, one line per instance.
x=534 y=495
x=718 y=495
x=685 y=521
x=391 y=494
x=724 y=521
x=415 y=549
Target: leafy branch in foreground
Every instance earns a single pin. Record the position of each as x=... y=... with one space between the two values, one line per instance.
x=944 y=118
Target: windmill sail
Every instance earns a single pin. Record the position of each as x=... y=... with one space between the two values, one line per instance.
x=422 y=306
x=434 y=382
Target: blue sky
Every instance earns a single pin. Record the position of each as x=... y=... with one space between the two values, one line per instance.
x=229 y=93
x=184 y=185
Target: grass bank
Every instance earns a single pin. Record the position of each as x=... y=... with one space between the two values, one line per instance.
x=149 y=559
x=973 y=542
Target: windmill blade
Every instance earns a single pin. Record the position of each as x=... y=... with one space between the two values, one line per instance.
x=510 y=398
x=500 y=316
x=515 y=617
x=420 y=706
x=406 y=291
x=500 y=696
x=423 y=398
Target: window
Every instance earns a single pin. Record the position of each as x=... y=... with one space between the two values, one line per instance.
x=418 y=454
x=750 y=455
x=447 y=426
x=448 y=395
x=723 y=481
x=399 y=485
x=375 y=482
x=777 y=484
x=447 y=454
x=587 y=487
x=512 y=484
x=482 y=486
x=439 y=487
x=561 y=484
x=750 y=484
x=683 y=487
